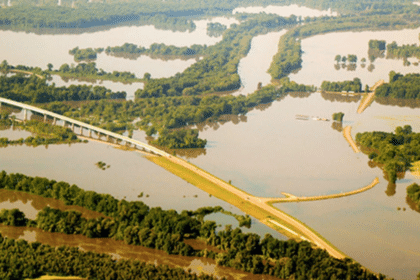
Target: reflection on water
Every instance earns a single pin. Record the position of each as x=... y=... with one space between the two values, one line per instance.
x=338 y=97
x=319 y=52
x=411 y=103
x=120 y=250
x=224 y=119
x=337 y=126
x=31 y=204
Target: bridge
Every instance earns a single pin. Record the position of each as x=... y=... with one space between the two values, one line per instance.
x=81 y=125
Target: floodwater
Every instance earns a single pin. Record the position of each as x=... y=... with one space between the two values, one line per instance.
x=286 y=11
x=129 y=174
x=38 y=50
x=265 y=153
x=120 y=250
x=252 y=69
x=319 y=52
x=307 y=158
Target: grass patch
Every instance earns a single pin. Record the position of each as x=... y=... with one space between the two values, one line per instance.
x=213 y=189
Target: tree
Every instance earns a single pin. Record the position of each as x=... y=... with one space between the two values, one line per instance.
x=344 y=59
x=337 y=58
x=50 y=66
x=147 y=76
x=352 y=58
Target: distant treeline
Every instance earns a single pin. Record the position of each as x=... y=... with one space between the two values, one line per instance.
x=136 y=223
x=400 y=86
x=133 y=51
x=215 y=29
x=347 y=86
x=77 y=14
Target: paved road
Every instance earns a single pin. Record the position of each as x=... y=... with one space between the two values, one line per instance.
x=259 y=203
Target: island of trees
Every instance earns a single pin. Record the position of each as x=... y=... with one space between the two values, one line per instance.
x=393 y=152
x=400 y=86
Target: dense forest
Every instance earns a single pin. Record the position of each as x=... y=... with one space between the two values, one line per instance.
x=136 y=223
x=345 y=86
x=400 y=86
x=35 y=90
x=393 y=152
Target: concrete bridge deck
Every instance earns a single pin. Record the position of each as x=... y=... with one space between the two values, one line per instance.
x=80 y=124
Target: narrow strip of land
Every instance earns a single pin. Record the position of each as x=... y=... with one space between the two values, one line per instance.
x=347 y=136
x=250 y=204
x=369 y=98
x=293 y=198
x=26 y=72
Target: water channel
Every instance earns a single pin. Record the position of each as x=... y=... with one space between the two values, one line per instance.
x=269 y=151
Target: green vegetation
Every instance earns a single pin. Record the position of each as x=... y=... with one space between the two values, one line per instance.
x=399 y=86
x=215 y=29
x=21 y=260
x=218 y=71
x=404 y=51
x=393 y=152
x=89 y=71
x=338 y=117
x=346 y=86
x=34 y=90
x=288 y=57
x=102 y=165
x=45 y=134
x=132 y=51
x=136 y=223
x=413 y=192
x=179 y=139
x=378 y=45
x=88 y=54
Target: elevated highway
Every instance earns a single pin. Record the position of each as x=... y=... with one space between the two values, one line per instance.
x=81 y=125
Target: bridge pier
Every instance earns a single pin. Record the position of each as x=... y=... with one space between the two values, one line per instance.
x=107 y=137
x=90 y=133
x=45 y=118
x=72 y=127
x=54 y=121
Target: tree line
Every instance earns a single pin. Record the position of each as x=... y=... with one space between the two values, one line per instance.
x=133 y=51
x=400 y=86
x=136 y=223
x=35 y=90
x=345 y=86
